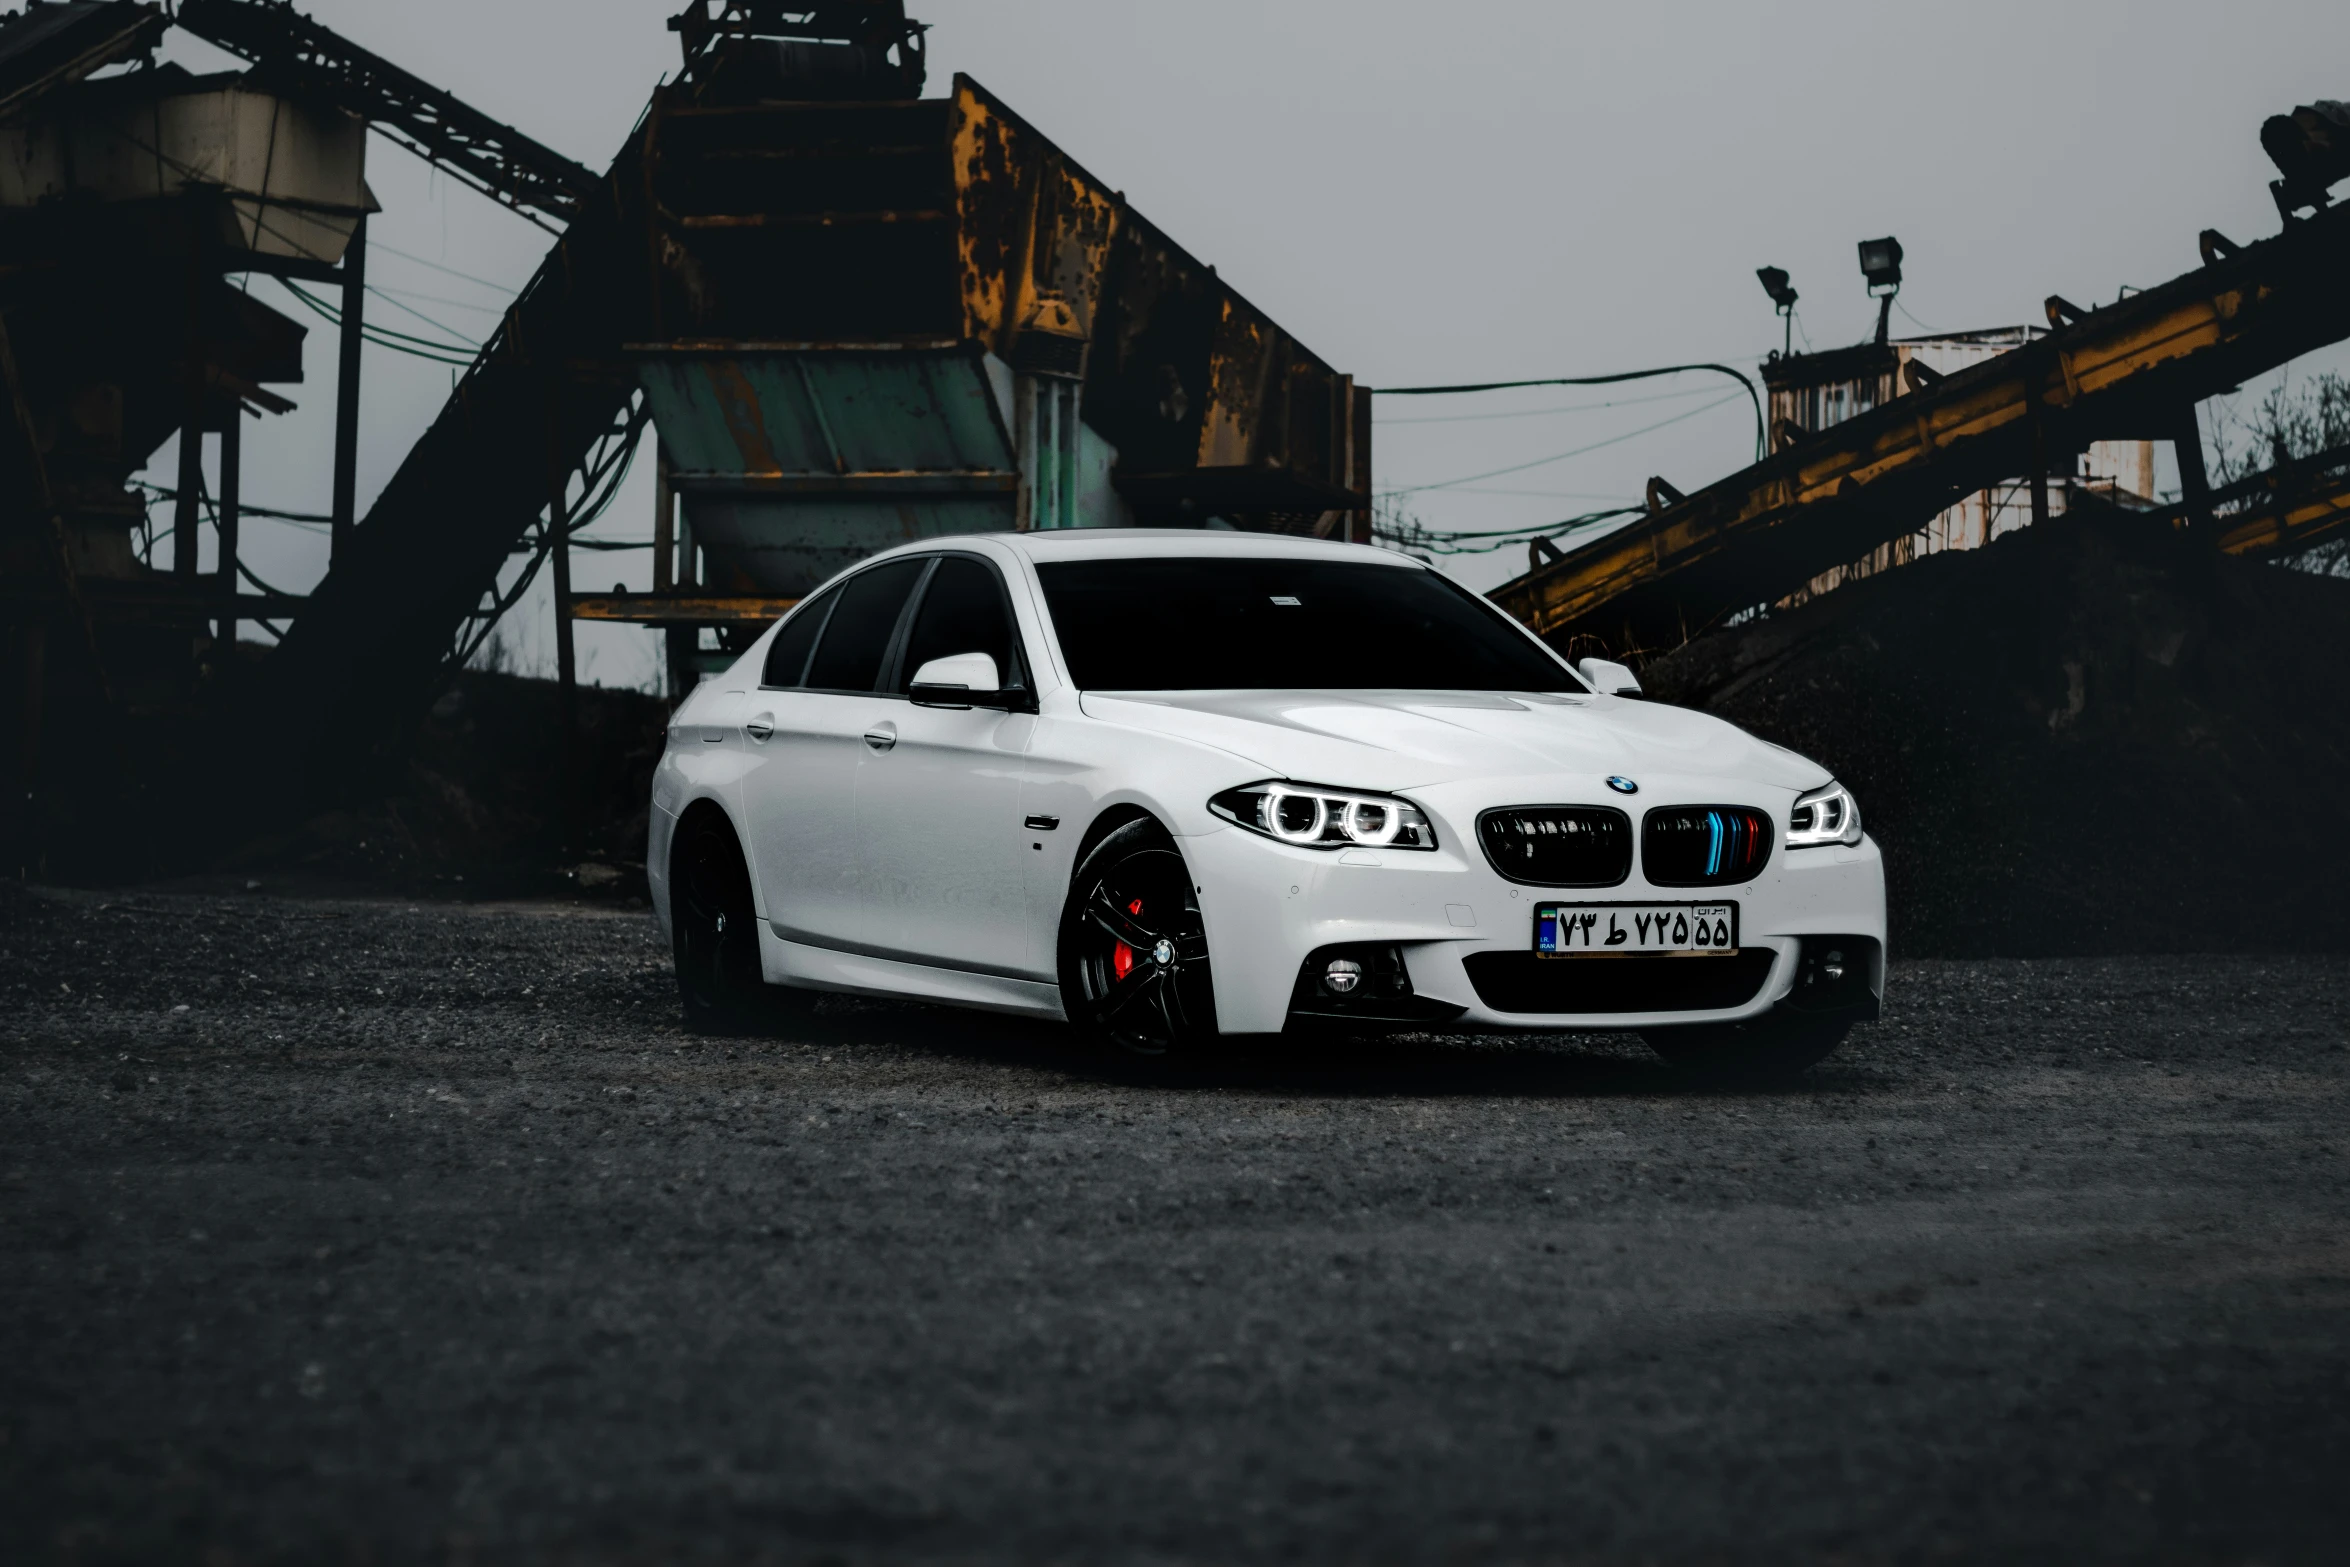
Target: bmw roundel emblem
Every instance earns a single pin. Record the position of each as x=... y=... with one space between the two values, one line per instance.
x=1623 y=786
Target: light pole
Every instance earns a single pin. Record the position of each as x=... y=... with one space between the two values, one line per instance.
x=1774 y=282
x=1880 y=264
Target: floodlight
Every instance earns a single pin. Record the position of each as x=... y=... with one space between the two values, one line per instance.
x=1880 y=263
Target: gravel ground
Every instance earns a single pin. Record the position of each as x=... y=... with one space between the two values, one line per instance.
x=366 y=1231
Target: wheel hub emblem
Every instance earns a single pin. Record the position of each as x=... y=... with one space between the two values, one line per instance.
x=1164 y=953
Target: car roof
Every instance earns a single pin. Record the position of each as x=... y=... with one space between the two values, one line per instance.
x=1185 y=543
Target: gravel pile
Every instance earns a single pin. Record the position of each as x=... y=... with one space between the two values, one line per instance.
x=389 y=1232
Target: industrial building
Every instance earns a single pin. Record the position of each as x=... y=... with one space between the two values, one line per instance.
x=837 y=311
x=845 y=315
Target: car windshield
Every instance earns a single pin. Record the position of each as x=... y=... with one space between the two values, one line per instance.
x=1208 y=623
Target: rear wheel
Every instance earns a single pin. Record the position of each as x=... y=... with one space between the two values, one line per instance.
x=714 y=928
x=1134 y=950
x=1771 y=1048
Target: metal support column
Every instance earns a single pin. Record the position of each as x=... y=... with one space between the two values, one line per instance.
x=664 y=520
x=559 y=556
x=677 y=642
x=25 y=806
x=184 y=515
x=232 y=459
x=2039 y=429
x=2194 y=480
x=345 y=507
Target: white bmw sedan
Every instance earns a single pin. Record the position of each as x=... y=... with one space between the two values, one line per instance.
x=1169 y=785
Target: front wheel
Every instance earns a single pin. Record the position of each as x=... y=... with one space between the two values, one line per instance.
x=1133 y=948
x=1770 y=1048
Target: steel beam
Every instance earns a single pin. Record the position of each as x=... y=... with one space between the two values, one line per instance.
x=346 y=494
x=679 y=609
x=232 y=458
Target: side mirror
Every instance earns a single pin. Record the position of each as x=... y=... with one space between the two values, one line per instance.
x=962 y=680
x=1608 y=677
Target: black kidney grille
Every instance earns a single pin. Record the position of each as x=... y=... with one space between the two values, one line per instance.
x=1558 y=845
x=1704 y=845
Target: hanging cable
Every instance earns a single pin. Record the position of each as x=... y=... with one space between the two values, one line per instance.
x=1538 y=413
x=1761 y=431
x=1410 y=536
x=456 y=354
x=602 y=476
x=1540 y=462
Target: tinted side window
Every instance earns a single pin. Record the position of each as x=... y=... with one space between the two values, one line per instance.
x=849 y=656
x=962 y=612
x=787 y=655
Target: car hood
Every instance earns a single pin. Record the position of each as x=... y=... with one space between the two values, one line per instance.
x=1395 y=740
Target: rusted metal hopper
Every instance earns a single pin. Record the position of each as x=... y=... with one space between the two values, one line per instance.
x=874 y=322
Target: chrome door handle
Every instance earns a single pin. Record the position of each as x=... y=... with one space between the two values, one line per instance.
x=761 y=728
x=881 y=736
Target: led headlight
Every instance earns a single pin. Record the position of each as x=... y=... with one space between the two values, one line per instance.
x=1313 y=817
x=1828 y=814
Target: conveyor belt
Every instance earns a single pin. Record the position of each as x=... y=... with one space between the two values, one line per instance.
x=2288 y=508
x=2127 y=371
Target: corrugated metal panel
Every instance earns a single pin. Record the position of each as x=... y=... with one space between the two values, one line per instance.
x=794 y=464
x=827 y=412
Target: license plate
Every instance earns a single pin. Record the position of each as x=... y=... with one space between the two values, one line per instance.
x=1571 y=930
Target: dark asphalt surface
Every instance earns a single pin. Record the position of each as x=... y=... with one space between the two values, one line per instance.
x=337 y=1231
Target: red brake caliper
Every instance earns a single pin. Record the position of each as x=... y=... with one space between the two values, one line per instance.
x=1122 y=960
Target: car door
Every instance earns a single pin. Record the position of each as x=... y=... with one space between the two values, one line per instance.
x=806 y=726
x=939 y=834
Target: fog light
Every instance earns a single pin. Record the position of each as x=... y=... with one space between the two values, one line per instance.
x=1833 y=966
x=1342 y=976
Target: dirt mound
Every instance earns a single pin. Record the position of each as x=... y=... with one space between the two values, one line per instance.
x=485 y=796
x=489 y=799
x=2091 y=737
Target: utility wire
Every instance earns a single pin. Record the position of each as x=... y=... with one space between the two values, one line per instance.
x=500 y=288
x=438 y=326
x=604 y=473
x=1412 y=536
x=1536 y=413
x=1539 y=462
x=440 y=299
x=244 y=508
x=456 y=354
x=1761 y=441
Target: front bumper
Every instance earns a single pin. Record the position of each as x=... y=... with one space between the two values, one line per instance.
x=1268 y=906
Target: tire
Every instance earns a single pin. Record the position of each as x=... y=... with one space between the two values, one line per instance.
x=1772 y=1048
x=1133 y=949
x=714 y=929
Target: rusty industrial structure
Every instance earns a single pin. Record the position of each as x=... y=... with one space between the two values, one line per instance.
x=853 y=316
x=848 y=314
x=1914 y=442
x=836 y=315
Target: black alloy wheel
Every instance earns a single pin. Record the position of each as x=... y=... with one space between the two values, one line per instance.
x=714 y=927
x=1134 y=951
x=1772 y=1048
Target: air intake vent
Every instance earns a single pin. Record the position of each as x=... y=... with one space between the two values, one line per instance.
x=1529 y=982
x=1558 y=845
x=1704 y=845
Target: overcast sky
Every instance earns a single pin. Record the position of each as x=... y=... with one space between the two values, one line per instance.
x=1473 y=191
